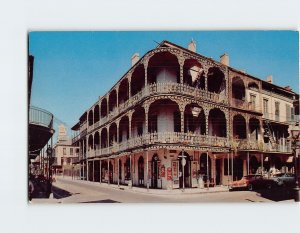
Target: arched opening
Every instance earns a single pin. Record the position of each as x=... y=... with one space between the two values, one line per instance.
x=164 y=116
x=90 y=142
x=112 y=101
x=194 y=119
x=104 y=108
x=124 y=129
x=96 y=114
x=253 y=165
x=123 y=91
x=187 y=170
x=193 y=74
x=138 y=80
x=90 y=118
x=205 y=167
x=216 y=81
x=104 y=138
x=138 y=122
x=254 y=127
x=162 y=68
x=155 y=171
x=141 y=171
x=253 y=86
x=238 y=89
x=239 y=127
x=97 y=140
x=217 y=123
x=113 y=134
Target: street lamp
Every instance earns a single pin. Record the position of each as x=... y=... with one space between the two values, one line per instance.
x=295 y=137
x=49 y=154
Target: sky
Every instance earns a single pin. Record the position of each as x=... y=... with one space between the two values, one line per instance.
x=72 y=69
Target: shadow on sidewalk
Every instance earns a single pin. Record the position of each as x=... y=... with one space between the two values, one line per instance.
x=277 y=194
x=59 y=193
x=102 y=201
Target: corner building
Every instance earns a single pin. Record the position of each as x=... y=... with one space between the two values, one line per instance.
x=174 y=102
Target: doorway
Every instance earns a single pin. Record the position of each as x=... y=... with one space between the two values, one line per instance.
x=218 y=171
x=154 y=177
x=187 y=171
x=141 y=171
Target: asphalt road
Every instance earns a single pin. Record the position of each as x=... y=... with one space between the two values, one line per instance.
x=73 y=191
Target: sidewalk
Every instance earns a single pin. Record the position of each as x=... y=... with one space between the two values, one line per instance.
x=149 y=191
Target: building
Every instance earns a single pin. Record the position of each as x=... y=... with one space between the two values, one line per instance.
x=65 y=154
x=40 y=132
x=176 y=116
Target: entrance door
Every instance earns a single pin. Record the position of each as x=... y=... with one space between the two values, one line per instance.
x=154 y=171
x=187 y=172
x=141 y=171
x=218 y=171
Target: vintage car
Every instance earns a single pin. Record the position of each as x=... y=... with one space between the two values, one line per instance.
x=252 y=182
x=284 y=179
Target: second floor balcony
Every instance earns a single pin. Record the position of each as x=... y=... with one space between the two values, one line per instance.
x=169 y=138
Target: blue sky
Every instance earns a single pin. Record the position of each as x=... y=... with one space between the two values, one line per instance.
x=72 y=69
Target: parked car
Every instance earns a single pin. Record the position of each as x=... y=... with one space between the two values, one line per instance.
x=284 y=179
x=252 y=182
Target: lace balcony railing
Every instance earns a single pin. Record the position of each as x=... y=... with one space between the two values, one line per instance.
x=163 y=137
x=286 y=148
x=83 y=127
x=40 y=117
x=244 y=144
x=164 y=88
x=237 y=103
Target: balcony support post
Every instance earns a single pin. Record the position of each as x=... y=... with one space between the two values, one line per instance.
x=108 y=181
x=181 y=63
x=100 y=172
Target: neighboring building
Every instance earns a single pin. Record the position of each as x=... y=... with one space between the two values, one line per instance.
x=66 y=155
x=175 y=102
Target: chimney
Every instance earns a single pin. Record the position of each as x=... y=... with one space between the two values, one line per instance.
x=270 y=79
x=224 y=59
x=134 y=59
x=192 y=46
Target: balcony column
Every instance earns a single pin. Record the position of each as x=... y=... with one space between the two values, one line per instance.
x=100 y=173
x=108 y=182
x=205 y=77
x=118 y=136
x=130 y=168
x=87 y=170
x=206 y=113
x=129 y=86
x=130 y=119
x=247 y=128
x=181 y=63
x=146 y=107
x=181 y=109
x=146 y=71
x=262 y=163
x=118 y=174
x=228 y=126
x=107 y=127
x=117 y=91
x=93 y=173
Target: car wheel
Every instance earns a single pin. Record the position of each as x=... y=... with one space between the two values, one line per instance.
x=250 y=187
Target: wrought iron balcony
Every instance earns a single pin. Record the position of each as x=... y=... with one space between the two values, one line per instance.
x=188 y=139
x=40 y=117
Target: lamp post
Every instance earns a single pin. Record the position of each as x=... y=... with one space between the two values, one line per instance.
x=183 y=163
x=49 y=154
x=295 y=137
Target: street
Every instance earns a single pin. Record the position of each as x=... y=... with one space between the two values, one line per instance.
x=66 y=190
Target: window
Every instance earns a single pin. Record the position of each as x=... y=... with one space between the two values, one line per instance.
x=266 y=107
x=64 y=151
x=253 y=100
x=277 y=111
x=71 y=151
x=288 y=113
